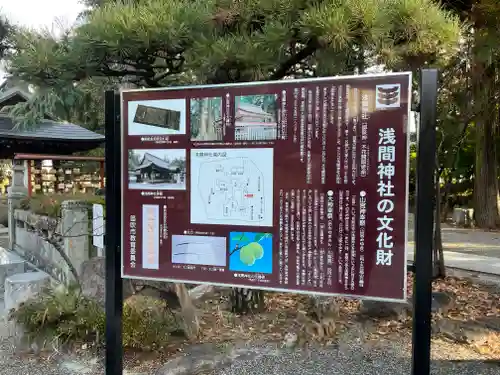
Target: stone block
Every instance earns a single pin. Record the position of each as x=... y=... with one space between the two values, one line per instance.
x=442 y=302
x=211 y=359
x=385 y=310
x=322 y=307
x=75 y=231
x=93 y=279
x=464 y=332
x=23 y=286
x=10 y=264
x=462 y=216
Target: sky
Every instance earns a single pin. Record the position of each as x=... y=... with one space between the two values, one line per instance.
x=39 y=14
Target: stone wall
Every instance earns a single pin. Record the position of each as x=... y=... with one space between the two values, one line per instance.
x=70 y=233
x=37 y=238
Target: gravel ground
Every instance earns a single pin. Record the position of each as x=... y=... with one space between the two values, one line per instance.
x=352 y=360
x=31 y=366
x=388 y=355
x=392 y=356
x=350 y=356
x=11 y=364
x=14 y=364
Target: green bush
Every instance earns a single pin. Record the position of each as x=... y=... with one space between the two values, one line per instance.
x=146 y=323
x=51 y=205
x=61 y=313
x=42 y=205
x=66 y=315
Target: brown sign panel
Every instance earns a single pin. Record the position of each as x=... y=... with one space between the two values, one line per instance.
x=298 y=185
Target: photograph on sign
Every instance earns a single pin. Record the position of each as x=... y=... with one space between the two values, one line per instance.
x=206 y=119
x=157 y=169
x=298 y=186
x=202 y=250
x=251 y=252
x=388 y=96
x=157 y=117
x=256 y=117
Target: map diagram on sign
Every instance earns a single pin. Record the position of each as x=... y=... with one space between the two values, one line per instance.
x=232 y=189
x=232 y=186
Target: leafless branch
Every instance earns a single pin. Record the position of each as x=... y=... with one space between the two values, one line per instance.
x=55 y=241
x=47 y=231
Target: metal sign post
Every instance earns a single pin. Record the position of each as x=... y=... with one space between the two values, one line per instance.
x=424 y=226
x=114 y=289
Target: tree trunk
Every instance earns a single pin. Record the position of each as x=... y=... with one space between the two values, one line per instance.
x=210 y=120
x=486 y=197
x=204 y=120
x=168 y=292
x=189 y=314
x=244 y=301
x=438 y=254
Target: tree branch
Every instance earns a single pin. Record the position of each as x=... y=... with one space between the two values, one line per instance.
x=310 y=48
x=56 y=244
x=46 y=229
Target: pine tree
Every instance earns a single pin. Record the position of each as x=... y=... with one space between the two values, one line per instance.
x=156 y=43
x=6 y=32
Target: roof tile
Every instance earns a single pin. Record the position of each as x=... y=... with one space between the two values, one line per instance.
x=49 y=130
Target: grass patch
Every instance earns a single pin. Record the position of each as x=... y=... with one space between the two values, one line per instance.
x=68 y=316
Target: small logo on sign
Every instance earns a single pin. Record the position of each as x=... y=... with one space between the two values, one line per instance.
x=388 y=96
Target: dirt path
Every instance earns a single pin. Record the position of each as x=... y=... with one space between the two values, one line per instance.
x=468 y=241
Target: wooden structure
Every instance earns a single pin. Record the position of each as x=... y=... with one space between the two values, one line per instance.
x=50 y=142
x=42 y=142
x=154 y=170
x=253 y=123
x=47 y=137
x=64 y=174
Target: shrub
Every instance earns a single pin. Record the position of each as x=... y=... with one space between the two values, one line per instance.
x=42 y=205
x=146 y=323
x=61 y=313
x=67 y=315
x=51 y=205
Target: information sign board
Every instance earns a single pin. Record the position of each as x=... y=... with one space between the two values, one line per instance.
x=295 y=185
